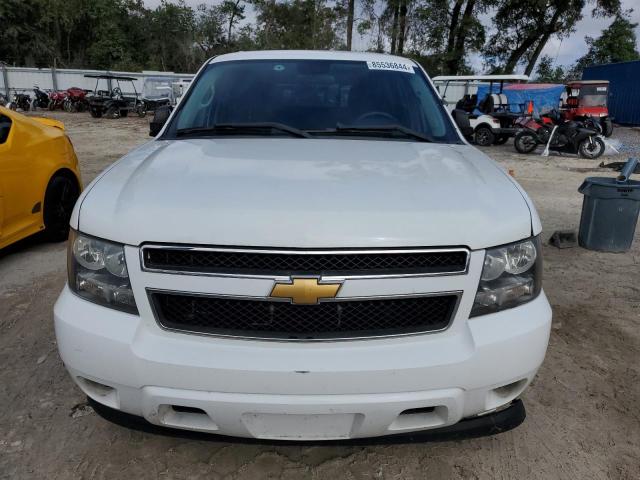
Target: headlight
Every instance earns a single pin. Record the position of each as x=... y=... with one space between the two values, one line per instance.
x=511 y=276
x=98 y=272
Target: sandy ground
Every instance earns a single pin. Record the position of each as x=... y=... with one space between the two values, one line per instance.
x=583 y=408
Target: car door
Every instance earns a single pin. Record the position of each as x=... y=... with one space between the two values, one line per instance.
x=5 y=128
x=17 y=186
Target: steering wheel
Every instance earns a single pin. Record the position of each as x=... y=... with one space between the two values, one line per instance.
x=370 y=115
x=116 y=92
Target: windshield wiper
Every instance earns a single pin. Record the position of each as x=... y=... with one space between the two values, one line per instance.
x=407 y=132
x=231 y=128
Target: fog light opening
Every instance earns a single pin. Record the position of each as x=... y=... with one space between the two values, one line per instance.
x=184 y=416
x=420 y=417
x=505 y=394
x=99 y=392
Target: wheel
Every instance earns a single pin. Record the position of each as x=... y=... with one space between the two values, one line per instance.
x=12 y=106
x=141 y=110
x=59 y=200
x=112 y=112
x=501 y=139
x=96 y=113
x=591 y=148
x=124 y=113
x=607 y=127
x=525 y=142
x=484 y=136
x=52 y=105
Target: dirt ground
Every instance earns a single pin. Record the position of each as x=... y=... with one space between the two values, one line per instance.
x=583 y=408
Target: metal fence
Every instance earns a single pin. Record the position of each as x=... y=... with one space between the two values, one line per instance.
x=20 y=79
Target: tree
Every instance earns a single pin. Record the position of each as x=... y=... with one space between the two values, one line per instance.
x=172 y=36
x=547 y=73
x=617 y=43
x=297 y=24
x=351 y=5
x=523 y=28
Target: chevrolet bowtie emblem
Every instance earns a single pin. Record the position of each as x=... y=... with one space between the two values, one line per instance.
x=305 y=291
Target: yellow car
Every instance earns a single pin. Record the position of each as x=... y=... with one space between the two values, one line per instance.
x=39 y=178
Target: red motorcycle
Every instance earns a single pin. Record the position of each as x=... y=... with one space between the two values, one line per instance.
x=56 y=100
x=76 y=100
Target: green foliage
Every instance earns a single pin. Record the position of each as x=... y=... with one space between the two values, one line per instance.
x=297 y=24
x=523 y=28
x=441 y=34
x=547 y=73
x=616 y=44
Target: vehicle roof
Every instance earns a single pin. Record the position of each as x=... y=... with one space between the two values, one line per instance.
x=482 y=78
x=159 y=79
x=112 y=77
x=588 y=82
x=309 y=55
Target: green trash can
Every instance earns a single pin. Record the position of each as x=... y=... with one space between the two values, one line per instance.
x=610 y=210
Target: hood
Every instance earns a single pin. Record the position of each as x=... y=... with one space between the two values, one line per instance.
x=305 y=193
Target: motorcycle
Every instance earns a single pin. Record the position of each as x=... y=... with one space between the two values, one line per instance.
x=583 y=138
x=40 y=100
x=56 y=100
x=75 y=100
x=20 y=101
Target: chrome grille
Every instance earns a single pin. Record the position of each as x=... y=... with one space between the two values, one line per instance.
x=275 y=262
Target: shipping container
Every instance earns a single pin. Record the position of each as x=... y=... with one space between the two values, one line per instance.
x=624 y=89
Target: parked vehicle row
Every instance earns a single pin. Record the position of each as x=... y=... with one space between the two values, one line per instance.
x=581 y=113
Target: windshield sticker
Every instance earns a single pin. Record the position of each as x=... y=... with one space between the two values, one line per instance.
x=601 y=89
x=393 y=66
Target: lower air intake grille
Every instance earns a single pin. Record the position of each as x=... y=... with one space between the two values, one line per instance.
x=282 y=320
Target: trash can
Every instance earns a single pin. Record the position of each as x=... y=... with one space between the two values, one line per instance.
x=610 y=210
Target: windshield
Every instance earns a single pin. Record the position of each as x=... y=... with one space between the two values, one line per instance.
x=593 y=95
x=324 y=98
x=157 y=88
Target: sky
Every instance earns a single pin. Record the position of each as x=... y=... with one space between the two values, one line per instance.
x=564 y=52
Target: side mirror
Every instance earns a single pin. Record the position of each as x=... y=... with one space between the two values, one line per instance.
x=160 y=117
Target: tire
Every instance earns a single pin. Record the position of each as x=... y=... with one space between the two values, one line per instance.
x=96 y=113
x=591 y=149
x=141 y=110
x=51 y=106
x=59 y=200
x=124 y=113
x=484 y=136
x=607 y=127
x=525 y=142
x=112 y=112
x=501 y=140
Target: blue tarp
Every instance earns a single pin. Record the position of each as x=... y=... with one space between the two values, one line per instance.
x=545 y=96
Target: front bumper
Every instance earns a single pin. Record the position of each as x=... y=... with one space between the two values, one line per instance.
x=301 y=391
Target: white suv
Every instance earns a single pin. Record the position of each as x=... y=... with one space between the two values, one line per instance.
x=307 y=250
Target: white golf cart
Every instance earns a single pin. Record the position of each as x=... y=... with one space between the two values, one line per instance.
x=489 y=120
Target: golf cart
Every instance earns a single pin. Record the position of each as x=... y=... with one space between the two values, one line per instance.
x=588 y=98
x=156 y=92
x=488 y=120
x=112 y=102
x=179 y=88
